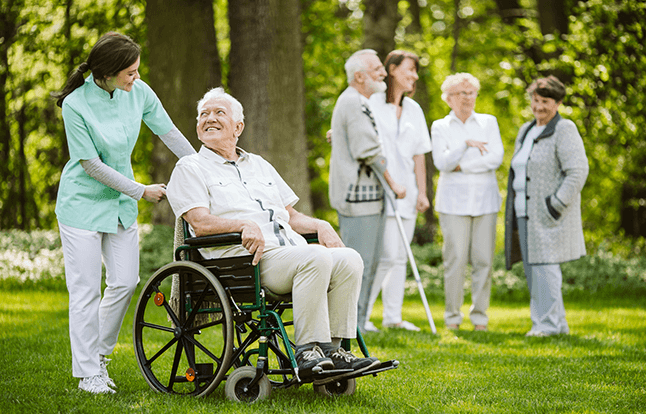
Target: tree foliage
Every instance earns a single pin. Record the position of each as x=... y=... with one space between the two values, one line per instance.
x=597 y=50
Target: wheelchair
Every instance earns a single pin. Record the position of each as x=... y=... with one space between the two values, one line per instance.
x=200 y=322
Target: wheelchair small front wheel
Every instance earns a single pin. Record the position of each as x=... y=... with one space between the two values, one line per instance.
x=340 y=387
x=237 y=386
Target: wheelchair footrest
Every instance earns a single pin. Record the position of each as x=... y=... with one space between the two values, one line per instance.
x=321 y=375
x=384 y=366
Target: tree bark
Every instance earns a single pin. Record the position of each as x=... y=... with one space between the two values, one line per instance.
x=457 y=23
x=427 y=233
x=184 y=63
x=9 y=24
x=510 y=11
x=380 y=20
x=266 y=76
x=553 y=16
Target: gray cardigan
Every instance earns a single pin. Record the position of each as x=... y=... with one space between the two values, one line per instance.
x=354 y=189
x=557 y=169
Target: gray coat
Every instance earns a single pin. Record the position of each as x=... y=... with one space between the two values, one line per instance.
x=556 y=172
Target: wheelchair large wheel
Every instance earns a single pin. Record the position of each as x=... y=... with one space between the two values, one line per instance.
x=189 y=351
x=237 y=386
x=340 y=387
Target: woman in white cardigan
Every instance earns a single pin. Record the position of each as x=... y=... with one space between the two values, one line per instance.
x=543 y=208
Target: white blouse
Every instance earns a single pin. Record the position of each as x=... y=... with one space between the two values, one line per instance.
x=472 y=191
x=401 y=139
x=519 y=165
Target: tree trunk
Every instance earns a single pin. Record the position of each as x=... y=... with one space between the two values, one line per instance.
x=457 y=22
x=510 y=11
x=427 y=233
x=380 y=20
x=9 y=24
x=266 y=76
x=553 y=16
x=184 y=64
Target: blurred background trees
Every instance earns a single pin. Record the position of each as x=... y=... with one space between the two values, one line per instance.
x=283 y=59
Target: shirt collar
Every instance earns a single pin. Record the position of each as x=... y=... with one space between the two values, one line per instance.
x=98 y=91
x=471 y=118
x=214 y=156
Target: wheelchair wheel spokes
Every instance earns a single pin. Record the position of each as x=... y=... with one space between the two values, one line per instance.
x=183 y=330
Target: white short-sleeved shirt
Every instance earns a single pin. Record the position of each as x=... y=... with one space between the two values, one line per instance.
x=247 y=189
x=472 y=191
x=402 y=139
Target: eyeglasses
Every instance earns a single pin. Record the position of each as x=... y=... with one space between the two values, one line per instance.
x=464 y=94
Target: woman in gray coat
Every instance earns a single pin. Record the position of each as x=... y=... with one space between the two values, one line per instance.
x=543 y=208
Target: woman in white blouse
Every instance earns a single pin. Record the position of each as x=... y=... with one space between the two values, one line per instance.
x=405 y=139
x=467 y=150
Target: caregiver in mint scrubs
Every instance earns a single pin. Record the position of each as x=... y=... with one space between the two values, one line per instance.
x=97 y=198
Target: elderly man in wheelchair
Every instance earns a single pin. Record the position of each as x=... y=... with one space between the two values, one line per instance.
x=223 y=189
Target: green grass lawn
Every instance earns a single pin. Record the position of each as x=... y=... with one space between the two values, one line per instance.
x=599 y=367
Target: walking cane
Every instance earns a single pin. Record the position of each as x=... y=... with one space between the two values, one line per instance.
x=391 y=199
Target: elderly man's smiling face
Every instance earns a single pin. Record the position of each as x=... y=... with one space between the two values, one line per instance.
x=216 y=127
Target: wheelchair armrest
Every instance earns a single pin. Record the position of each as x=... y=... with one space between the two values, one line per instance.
x=232 y=238
x=311 y=237
x=215 y=239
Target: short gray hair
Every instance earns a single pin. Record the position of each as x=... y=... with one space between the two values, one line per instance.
x=355 y=63
x=219 y=93
x=457 y=79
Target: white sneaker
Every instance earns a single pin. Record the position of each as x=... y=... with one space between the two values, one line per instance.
x=95 y=385
x=539 y=334
x=403 y=325
x=103 y=371
x=370 y=327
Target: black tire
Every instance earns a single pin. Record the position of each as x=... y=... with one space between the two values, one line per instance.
x=238 y=381
x=176 y=353
x=340 y=387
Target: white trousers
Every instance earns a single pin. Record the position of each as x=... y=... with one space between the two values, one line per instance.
x=468 y=239
x=95 y=322
x=390 y=278
x=324 y=283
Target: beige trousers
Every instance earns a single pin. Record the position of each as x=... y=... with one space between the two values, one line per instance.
x=468 y=239
x=325 y=287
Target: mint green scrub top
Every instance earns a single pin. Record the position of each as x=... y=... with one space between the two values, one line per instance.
x=98 y=125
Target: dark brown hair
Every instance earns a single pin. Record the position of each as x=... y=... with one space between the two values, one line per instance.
x=396 y=57
x=111 y=54
x=549 y=87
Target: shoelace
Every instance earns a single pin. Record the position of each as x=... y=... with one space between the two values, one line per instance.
x=103 y=362
x=343 y=354
x=314 y=353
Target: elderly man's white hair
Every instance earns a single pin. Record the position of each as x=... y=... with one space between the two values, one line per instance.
x=219 y=93
x=457 y=79
x=355 y=63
